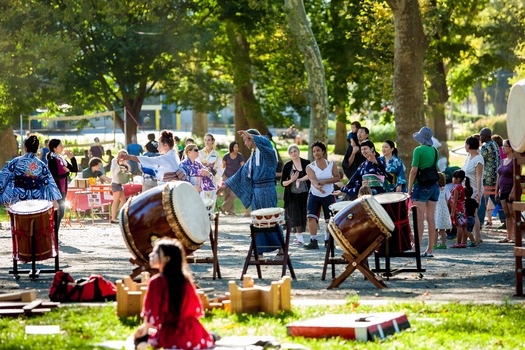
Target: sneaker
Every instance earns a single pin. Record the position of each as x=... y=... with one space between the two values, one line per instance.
x=440 y=246
x=297 y=243
x=451 y=237
x=503 y=227
x=471 y=244
x=312 y=245
x=456 y=245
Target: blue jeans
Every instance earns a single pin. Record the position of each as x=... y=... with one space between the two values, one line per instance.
x=425 y=194
x=482 y=210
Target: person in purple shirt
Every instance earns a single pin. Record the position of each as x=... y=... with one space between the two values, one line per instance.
x=504 y=185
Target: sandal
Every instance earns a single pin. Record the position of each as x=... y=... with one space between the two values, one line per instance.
x=455 y=245
x=504 y=240
x=427 y=255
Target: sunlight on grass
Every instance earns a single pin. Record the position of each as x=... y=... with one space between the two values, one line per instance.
x=433 y=326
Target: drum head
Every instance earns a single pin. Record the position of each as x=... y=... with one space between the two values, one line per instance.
x=516 y=116
x=393 y=197
x=337 y=207
x=190 y=211
x=32 y=206
x=267 y=211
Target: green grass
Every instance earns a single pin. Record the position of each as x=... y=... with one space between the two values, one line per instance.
x=433 y=326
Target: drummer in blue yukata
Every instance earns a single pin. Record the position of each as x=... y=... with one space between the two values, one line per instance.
x=254 y=183
x=27 y=177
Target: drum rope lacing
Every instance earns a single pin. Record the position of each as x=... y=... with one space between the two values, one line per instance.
x=350 y=248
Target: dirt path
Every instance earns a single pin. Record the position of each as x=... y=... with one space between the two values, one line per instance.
x=481 y=274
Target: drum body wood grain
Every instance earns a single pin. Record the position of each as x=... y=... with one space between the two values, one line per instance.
x=396 y=205
x=173 y=210
x=357 y=225
x=33 y=217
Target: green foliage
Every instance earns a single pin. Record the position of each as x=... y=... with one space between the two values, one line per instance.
x=497 y=124
x=383 y=132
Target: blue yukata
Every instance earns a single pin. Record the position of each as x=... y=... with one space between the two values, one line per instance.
x=366 y=169
x=25 y=178
x=396 y=168
x=254 y=185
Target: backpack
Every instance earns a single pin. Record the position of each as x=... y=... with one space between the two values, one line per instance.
x=94 y=288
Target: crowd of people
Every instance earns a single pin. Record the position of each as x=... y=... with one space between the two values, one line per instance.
x=457 y=201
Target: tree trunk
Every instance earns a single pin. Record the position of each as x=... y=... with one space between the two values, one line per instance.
x=340 y=129
x=242 y=66
x=318 y=96
x=132 y=120
x=437 y=97
x=200 y=123
x=480 y=99
x=502 y=90
x=240 y=123
x=9 y=148
x=409 y=52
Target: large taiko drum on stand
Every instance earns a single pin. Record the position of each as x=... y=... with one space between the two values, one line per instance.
x=396 y=205
x=356 y=227
x=173 y=210
x=516 y=116
x=32 y=228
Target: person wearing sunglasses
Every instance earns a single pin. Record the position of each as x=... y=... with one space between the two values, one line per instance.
x=196 y=173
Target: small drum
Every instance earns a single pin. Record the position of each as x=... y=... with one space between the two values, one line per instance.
x=208 y=203
x=337 y=207
x=396 y=205
x=357 y=225
x=172 y=210
x=267 y=217
x=33 y=218
x=516 y=116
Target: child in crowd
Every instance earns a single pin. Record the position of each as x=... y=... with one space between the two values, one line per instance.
x=171 y=304
x=442 y=215
x=471 y=205
x=457 y=207
x=364 y=190
x=124 y=176
x=119 y=198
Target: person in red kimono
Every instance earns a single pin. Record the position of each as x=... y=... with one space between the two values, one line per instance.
x=172 y=307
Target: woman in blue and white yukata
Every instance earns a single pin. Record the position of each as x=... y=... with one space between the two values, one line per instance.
x=27 y=177
x=372 y=173
x=254 y=183
x=395 y=167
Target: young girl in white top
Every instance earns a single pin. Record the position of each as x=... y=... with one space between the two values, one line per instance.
x=116 y=185
x=322 y=175
x=442 y=215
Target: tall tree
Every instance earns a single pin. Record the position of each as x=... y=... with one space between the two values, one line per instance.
x=318 y=96
x=409 y=53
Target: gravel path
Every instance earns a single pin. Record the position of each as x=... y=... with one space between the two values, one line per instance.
x=481 y=274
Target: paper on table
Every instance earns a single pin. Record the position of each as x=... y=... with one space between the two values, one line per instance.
x=42 y=329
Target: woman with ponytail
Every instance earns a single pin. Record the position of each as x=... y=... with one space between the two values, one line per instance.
x=60 y=167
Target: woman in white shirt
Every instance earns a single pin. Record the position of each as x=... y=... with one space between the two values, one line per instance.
x=116 y=184
x=322 y=175
x=473 y=169
x=165 y=167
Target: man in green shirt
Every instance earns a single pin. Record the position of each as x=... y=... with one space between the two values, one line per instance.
x=93 y=170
